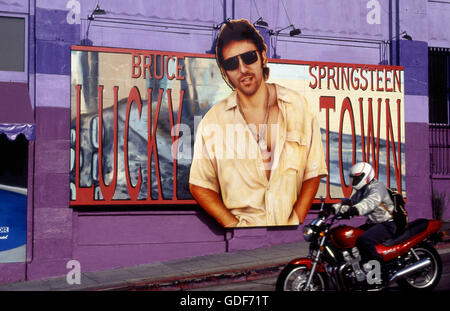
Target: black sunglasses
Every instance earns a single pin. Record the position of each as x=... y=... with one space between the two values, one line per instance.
x=232 y=63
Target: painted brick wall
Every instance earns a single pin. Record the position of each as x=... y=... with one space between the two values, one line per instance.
x=108 y=239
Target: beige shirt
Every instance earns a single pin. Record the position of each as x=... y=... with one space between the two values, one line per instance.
x=227 y=159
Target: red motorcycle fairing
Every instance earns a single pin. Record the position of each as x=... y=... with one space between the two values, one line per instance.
x=391 y=252
x=306 y=262
x=344 y=236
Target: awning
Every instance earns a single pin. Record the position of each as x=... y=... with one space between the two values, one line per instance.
x=16 y=113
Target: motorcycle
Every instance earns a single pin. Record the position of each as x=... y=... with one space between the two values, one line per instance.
x=334 y=262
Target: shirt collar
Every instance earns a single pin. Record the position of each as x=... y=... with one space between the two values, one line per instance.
x=231 y=100
x=282 y=93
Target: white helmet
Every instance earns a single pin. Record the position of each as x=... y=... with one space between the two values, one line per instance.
x=361 y=174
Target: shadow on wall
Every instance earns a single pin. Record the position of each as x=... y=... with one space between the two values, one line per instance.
x=438 y=204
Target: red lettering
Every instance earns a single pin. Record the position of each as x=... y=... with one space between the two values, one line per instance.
x=397 y=79
x=346 y=106
x=378 y=136
x=107 y=191
x=322 y=74
x=151 y=144
x=158 y=65
x=135 y=65
x=179 y=68
x=83 y=194
x=331 y=73
x=147 y=66
x=345 y=78
x=171 y=76
x=370 y=136
x=386 y=80
x=379 y=89
x=133 y=191
x=371 y=77
x=175 y=134
x=365 y=79
x=361 y=117
x=353 y=78
x=327 y=103
x=313 y=86
x=390 y=134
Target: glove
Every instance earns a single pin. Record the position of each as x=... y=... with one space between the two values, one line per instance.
x=352 y=211
x=346 y=201
x=327 y=211
x=336 y=207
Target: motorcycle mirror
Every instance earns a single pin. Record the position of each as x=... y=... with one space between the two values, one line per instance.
x=322 y=199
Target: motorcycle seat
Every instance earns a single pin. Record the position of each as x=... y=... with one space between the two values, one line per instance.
x=415 y=227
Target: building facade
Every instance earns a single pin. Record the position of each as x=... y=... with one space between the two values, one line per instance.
x=35 y=97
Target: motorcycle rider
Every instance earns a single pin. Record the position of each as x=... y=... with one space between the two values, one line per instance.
x=372 y=200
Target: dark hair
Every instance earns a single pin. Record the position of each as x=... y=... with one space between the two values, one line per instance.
x=240 y=30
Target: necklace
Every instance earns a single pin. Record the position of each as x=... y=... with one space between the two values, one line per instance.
x=260 y=138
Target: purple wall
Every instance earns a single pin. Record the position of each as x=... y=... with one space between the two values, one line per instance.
x=441 y=188
x=439 y=36
x=100 y=240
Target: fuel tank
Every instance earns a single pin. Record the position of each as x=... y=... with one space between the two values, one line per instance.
x=345 y=236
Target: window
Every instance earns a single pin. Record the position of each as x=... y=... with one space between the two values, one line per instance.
x=13 y=48
x=439 y=109
x=12 y=43
x=439 y=85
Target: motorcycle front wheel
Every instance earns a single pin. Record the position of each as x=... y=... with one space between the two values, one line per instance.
x=294 y=278
x=428 y=278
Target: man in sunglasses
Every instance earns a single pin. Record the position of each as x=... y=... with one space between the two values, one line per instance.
x=276 y=177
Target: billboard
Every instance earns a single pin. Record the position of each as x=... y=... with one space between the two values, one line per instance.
x=134 y=115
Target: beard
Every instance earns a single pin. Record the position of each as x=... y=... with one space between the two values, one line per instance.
x=248 y=84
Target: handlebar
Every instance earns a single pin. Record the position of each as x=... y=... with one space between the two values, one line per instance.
x=337 y=216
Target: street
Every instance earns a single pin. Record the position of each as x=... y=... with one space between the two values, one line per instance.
x=268 y=284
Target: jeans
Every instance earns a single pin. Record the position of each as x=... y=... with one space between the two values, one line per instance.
x=374 y=234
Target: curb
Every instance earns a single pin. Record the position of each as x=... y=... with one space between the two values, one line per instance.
x=199 y=281
x=219 y=278
x=443 y=244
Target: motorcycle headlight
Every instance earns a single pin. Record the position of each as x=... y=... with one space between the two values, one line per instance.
x=308 y=233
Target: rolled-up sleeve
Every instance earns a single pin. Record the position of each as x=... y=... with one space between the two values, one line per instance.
x=203 y=171
x=315 y=165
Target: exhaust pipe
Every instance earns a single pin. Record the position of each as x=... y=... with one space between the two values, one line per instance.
x=421 y=264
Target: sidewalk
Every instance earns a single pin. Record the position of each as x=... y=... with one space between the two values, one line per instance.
x=178 y=274
x=185 y=273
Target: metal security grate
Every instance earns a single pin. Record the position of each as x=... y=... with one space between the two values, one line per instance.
x=439 y=109
x=439 y=85
x=440 y=149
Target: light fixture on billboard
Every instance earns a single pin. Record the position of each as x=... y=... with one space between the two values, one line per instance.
x=295 y=31
x=97 y=11
x=405 y=35
x=260 y=22
x=292 y=33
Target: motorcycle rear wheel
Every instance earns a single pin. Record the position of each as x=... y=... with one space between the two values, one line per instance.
x=428 y=278
x=294 y=278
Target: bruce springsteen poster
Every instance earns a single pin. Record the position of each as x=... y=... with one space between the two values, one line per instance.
x=134 y=115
